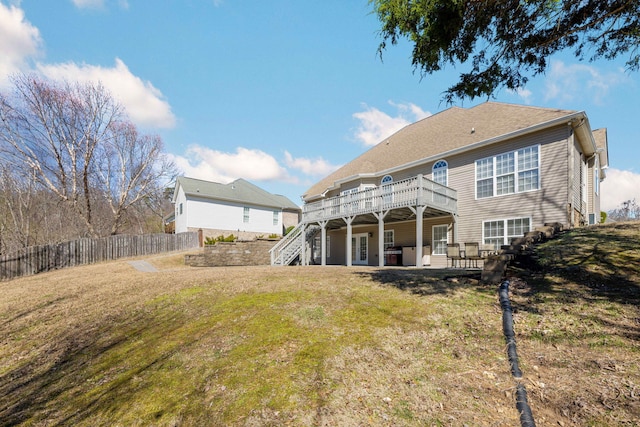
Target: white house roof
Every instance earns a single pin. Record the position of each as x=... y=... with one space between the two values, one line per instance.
x=238 y=191
x=450 y=131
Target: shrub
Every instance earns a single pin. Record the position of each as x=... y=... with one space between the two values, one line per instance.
x=221 y=238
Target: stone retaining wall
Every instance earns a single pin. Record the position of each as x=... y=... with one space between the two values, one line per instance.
x=495 y=266
x=225 y=254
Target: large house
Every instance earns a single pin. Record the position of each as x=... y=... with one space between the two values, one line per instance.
x=239 y=208
x=483 y=174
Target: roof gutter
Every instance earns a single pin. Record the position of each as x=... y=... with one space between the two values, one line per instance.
x=578 y=121
x=583 y=131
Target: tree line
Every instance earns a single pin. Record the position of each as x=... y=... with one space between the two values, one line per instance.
x=72 y=164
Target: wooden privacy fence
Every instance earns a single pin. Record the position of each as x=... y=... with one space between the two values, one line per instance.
x=38 y=259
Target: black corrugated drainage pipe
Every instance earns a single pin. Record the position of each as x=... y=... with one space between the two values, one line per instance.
x=526 y=417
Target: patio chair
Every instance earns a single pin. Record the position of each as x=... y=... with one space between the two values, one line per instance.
x=453 y=253
x=487 y=249
x=472 y=253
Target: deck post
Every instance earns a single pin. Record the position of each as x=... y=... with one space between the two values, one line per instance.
x=420 y=208
x=323 y=243
x=419 y=232
x=349 y=245
x=380 y=216
x=303 y=252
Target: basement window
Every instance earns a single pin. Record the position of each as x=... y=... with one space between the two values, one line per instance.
x=500 y=232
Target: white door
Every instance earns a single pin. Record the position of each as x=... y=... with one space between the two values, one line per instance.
x=359 y=249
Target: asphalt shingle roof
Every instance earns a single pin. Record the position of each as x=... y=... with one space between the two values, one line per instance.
x=440 y=133
x=238 y=191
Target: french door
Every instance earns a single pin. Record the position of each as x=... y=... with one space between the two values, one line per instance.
x=359 y=249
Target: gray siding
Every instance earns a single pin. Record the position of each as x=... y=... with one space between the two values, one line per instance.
x=549 y=204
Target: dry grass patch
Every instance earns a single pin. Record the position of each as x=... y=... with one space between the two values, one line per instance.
x=322 y=346
x=578 y=327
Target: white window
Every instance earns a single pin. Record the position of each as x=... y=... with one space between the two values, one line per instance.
x=389 y=238
x=484 y=178
x=528 y=166
x=508 y=173
x=245 y=216
x=440 y=235
x=180 y=209
x=500 y=232
x=317 y=249
x=505 y=174
x=439 y=172
x=387 y=189
x=276 y=217
x=368 y=195
x=350 y=199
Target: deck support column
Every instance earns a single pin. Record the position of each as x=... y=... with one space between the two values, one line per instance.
x=349 y=245
x=380 y=216
x=419 y=234
x=419 y=212
x=323 y=242
x=303 y=246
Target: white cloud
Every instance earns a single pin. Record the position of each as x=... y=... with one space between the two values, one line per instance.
x=212 y=165
x=313 y=167
x=93 y=4
x=97 y=4
x=145 y=104
x=525 y=94
x=376 y=125
x=618 y=187
x=19 y=40
x=571 y=82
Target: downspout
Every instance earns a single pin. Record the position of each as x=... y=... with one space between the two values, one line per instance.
x=522 y=404
x=454 y=228
x=570 y=145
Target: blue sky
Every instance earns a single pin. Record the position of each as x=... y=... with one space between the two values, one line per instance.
x=281 y=92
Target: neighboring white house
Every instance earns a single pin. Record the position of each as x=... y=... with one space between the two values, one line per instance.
x=239 y=208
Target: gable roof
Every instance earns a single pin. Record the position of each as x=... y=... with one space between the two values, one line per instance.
x=450 y=131
x=238 y=191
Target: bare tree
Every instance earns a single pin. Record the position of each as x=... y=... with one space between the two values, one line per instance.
x=132 y=170
x=15 y=204
x=30 y=215
x=628 y=210
x=76 y=142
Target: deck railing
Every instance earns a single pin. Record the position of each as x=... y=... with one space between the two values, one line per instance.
x=287 y=249
x=416 y=191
